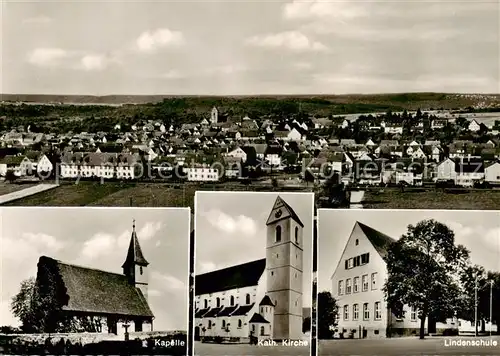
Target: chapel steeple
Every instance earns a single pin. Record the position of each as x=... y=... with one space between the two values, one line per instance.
x=135 y=265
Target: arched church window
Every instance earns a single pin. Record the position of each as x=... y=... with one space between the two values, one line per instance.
x=247 y=299
x=218 y=302
x=296 y=235
x=232 y=300
x=278 y=233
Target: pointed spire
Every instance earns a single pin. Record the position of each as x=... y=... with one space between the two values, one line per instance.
x=134 y=254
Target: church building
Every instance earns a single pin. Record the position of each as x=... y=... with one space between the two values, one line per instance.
x=111 y=301
x=357 y=286
x=262 y=298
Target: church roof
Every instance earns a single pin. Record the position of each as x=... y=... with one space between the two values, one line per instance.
x=227 y=311
x=212 y=313
x=257 y=318
x=243 y=310
x=134 y=254
x=90 y=290
x=240 y=276
x=281 y=203
x=378 y=239
x=200 y=312
x=267 y=301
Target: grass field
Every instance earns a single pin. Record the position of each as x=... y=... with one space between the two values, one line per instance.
x=6 y=188
x=124 y=194
x=469 y=200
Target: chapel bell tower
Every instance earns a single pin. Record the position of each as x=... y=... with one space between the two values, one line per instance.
x=284 y=266
x=135 y=265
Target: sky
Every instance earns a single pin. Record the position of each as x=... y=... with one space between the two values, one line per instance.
x=230 y=229
x=236 y=47
x=478 y=231
x=99 y=238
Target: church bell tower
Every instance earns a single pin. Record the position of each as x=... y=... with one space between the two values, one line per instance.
x=284 y=266
x=135 y=266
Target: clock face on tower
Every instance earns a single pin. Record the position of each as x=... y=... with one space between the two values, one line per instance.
x=278 y=213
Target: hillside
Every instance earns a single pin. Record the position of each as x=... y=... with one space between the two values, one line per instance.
x=375 y=102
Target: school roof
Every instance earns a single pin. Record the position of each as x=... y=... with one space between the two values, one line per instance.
x=93 y=291
x=378 y=239
x=239 y=276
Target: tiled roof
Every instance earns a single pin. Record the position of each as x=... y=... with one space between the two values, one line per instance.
x=243 y=310
x=240 y=276
x=227 y=311
x=93 y=291
x=293 y=214
x=266 y=301
x=201 y=312
x=378 y=239
x=212 y=313
x=257 y=318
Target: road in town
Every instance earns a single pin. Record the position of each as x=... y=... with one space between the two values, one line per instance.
x=406 y=347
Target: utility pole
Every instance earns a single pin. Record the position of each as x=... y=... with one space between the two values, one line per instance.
x=475 y=306
x=491 y=305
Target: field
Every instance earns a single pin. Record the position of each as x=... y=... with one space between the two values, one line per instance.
x=6 y=188
x=467 y=200
x=126 y=194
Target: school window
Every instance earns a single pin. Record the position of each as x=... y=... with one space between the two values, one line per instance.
x=346 y=312
x=366 y=312
x=356 y=284
x=365 y=258
x=341 y=287
x=364 y=281
x=357 y=242
x=378 y=311
x=413 y=314
x=348 y=286
x=355 y=312
x=374 y=280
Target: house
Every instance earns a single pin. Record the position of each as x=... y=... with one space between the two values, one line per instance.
x=445 y=170
x=262 y=297
x=201 y=172
x=114 y=299
x=233 y=167
x=492 y=173
x=469 y=172
x=15 y=164
x=100 y=165
x=239 y=153
x=357 y=286
x=273 y=155
x=474 y=126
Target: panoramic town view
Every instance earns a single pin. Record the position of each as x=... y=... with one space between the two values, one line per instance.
x=337 y=162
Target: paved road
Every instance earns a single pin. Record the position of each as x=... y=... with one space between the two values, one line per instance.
x=408 y=347
x=202 y=349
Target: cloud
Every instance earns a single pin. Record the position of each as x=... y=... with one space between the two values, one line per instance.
x=223 y=222
x=153 y=40
x=167 y=281
x=37 y=20
x=94 y=62
x=47 y=57
x=149 y=230
x=300 y=9
x=291 y=40
x=43 y=241
x=206 y=267
x=173 y=74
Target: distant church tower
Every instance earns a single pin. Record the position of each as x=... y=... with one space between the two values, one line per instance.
x=284 y=262
x=135 y=265
x=214 y=116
